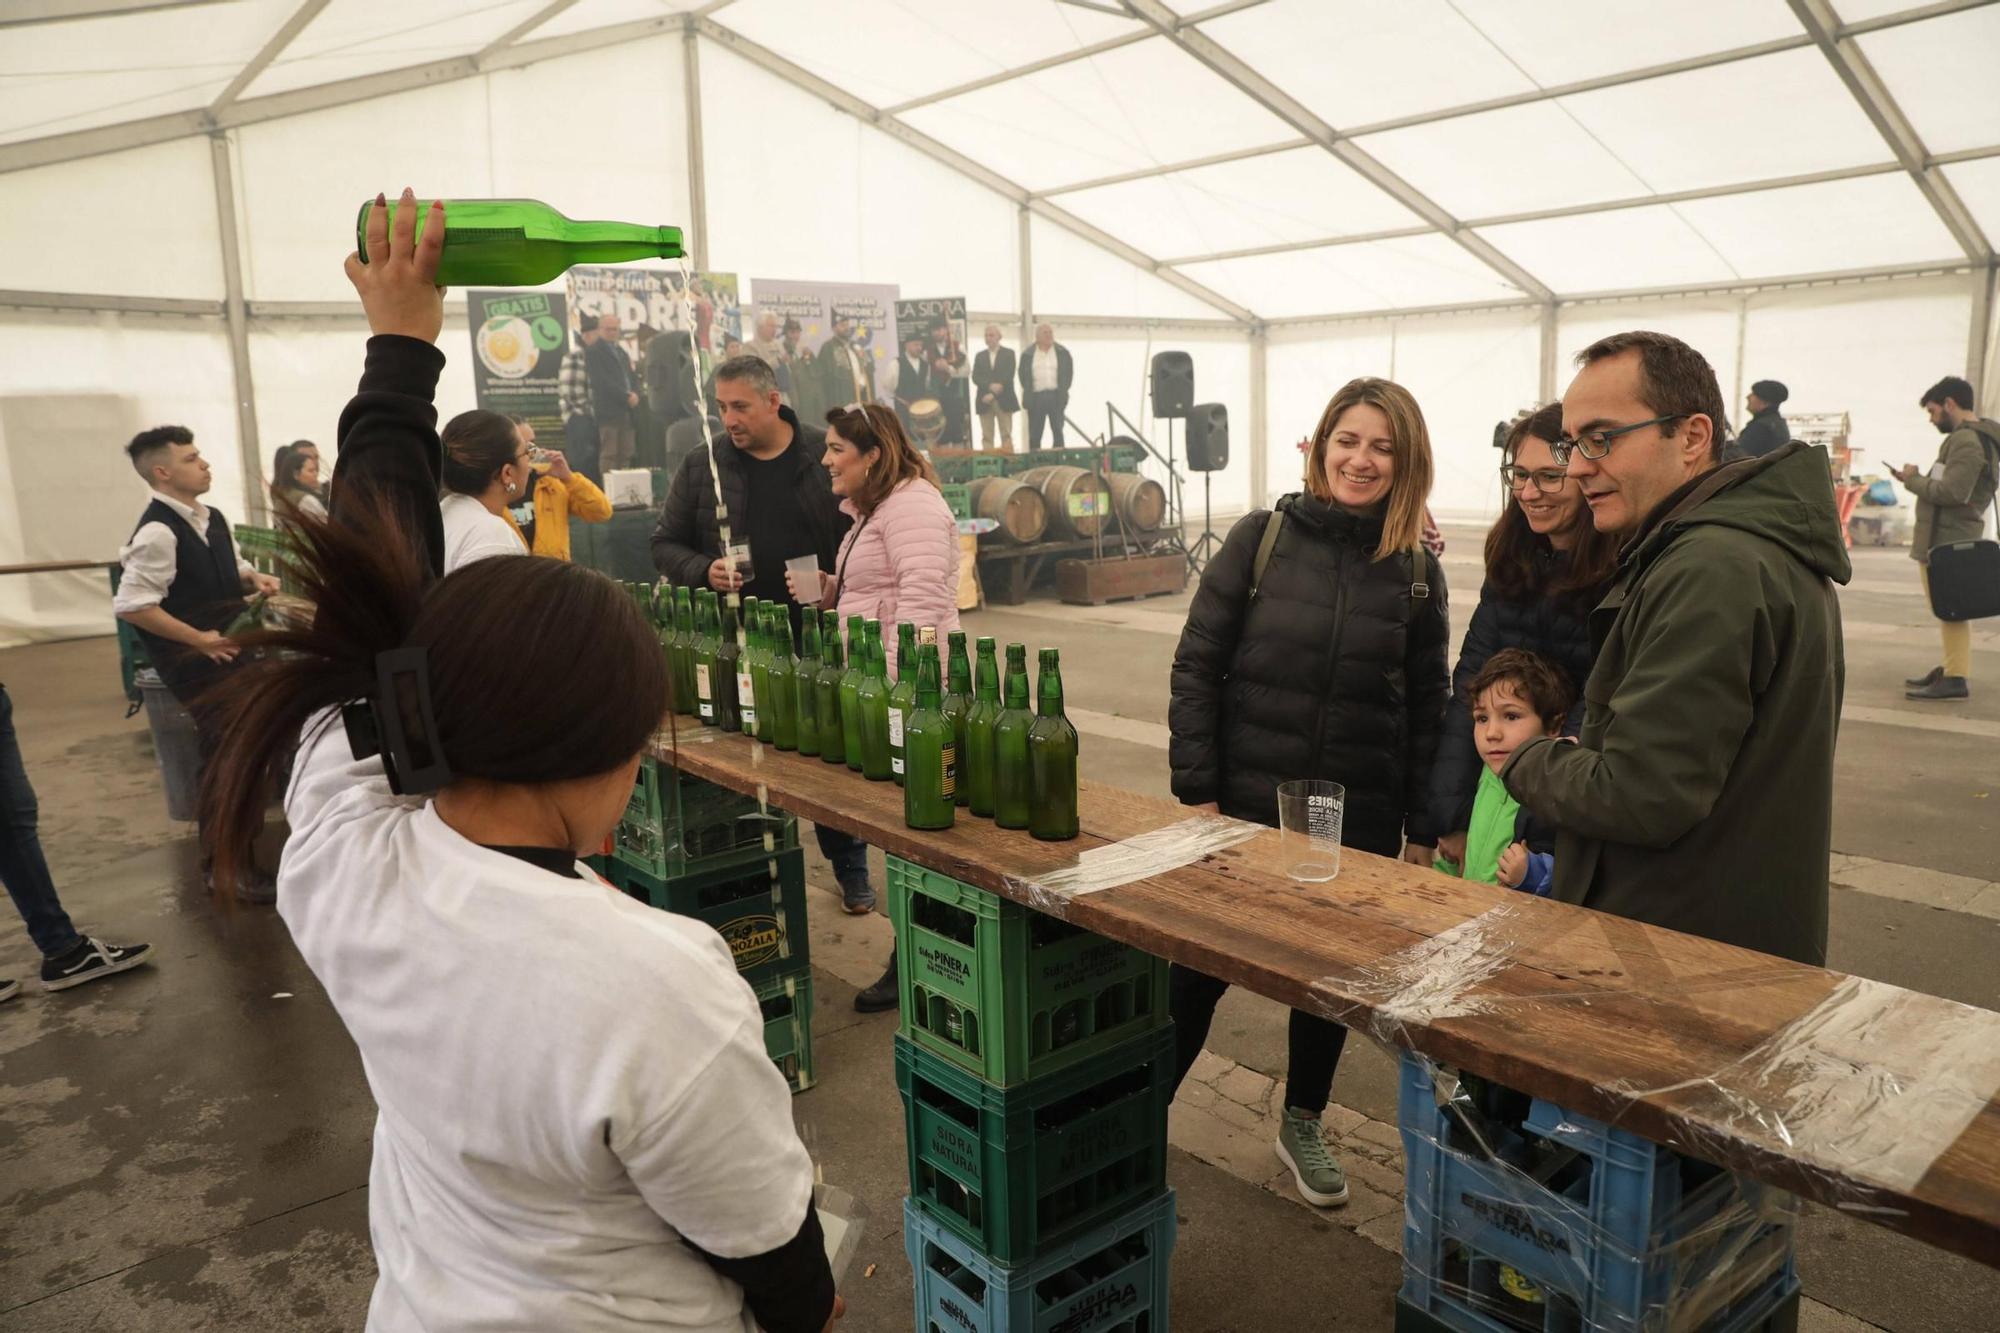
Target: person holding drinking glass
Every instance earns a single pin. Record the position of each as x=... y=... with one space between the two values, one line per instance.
x=1546 y=567
x=1315 y=648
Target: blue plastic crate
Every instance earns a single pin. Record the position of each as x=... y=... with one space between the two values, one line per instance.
x=1579 y=1220
x=1113 y=1279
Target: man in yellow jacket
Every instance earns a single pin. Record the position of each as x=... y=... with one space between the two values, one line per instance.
x=542 y=517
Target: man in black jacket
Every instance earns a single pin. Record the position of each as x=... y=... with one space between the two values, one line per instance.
x=1766 y=429
x=781 y=502
x=1046 y=371
x=993 y=386
x=612 y=395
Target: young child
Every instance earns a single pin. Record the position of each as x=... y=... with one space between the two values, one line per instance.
x=1516 y=697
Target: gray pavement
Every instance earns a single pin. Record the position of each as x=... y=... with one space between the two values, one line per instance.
x=186 y=1147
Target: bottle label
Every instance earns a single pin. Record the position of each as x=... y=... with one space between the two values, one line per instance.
x=950 y=770
x=702 y=690
x=746 y=701
x=896 y=731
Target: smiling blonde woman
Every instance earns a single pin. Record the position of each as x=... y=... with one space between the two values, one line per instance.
x=1315 y=648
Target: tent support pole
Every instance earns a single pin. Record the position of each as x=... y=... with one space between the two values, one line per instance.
x=236 y=316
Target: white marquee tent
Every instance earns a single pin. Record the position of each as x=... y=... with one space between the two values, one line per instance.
x=1455 y=193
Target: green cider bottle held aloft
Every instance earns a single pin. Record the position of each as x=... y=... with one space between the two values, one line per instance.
x=684 y=631
x=756 y=672
x=975 y=765
x=874 y=694
x=832 y=725
x=956 y=705
x=728 y=654
x=929 y=752
x=903 y=695
x=1051 y=759
x=705 y=620
x=807 y=683
x=784 y=674
x=1013 y=786
x=851 y=730
x=524 y=242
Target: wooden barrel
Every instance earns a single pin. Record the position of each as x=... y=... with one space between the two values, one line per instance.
x=1077 y=500
x=1140 y=502
x=1017 y=507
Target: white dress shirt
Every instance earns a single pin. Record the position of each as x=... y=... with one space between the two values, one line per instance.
x=152 y=558
x=1047 y=372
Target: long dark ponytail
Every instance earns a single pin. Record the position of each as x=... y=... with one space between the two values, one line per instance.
x=491 y=630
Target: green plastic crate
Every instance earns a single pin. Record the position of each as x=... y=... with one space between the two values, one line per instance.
x=1016 y=1170
x=1006 y=992
x=987 y=465
x=673 y=822
x=959 y=497
x=787 y=1002
x=756 y=903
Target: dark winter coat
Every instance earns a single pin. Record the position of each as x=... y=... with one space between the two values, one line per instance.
x=1764 y=433
x=1700 y=793
x=688 y=539
x=1557 y=628
x=1335 y=670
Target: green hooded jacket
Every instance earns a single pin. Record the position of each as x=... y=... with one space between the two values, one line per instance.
x=1700 y=793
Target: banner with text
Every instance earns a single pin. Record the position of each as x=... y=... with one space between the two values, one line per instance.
x=517 y=342
x=651 y=298
x=933 y=367
x=818 y=369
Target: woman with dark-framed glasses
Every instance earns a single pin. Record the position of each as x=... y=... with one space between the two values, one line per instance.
x=1546 y=567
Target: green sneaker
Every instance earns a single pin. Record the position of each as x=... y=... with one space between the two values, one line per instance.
x=1302 y=1147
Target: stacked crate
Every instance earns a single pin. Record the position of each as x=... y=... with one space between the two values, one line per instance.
x=695 y=849
x=1036 y=1063
x=1538 y=1220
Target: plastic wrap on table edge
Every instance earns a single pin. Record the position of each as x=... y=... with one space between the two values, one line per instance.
x=1523 y=1187
x=1142 y=856
x=1866 y=1089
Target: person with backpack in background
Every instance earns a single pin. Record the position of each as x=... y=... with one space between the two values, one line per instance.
x=1952 y=500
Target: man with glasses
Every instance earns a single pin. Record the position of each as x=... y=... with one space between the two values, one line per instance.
x=1699 y=793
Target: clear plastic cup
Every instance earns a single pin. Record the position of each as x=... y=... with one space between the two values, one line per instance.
x=804 y=570
x=739 y=555
x=1309 y=816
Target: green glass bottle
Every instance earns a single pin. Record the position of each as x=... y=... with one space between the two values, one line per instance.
x=728 y=655
x=757 y=706
x=784 y=675
x=807 y=682
x=687 y=639
x=705 y=622
x=1051 y=758
x=975 y=768
x=524 y=242
x=930 y=763
x=874 y=699
x=832 y=725
x=659 y=603
x=956 y=704
x=903 y=695
x=1013 y=786
x=851 y=730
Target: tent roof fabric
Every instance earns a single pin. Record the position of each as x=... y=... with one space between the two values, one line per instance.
x=1283 y=158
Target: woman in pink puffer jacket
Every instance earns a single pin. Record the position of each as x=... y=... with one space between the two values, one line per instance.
x=899 y=562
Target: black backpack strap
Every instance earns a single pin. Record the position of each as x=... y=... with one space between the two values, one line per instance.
x=1420 y=590
x=1265 y=545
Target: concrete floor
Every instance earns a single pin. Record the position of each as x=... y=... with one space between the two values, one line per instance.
x=186 y=1147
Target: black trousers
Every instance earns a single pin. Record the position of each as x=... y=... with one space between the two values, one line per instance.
x=1045 y=407
x=1315 y=1044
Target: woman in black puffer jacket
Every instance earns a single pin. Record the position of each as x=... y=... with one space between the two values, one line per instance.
x=1331 y=666
x=1546 y=567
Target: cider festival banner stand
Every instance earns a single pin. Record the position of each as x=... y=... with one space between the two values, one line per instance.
x=518 y=340
x=808 y=374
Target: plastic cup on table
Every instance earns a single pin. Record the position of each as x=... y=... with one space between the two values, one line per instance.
x=804 y=570
x=739 y=555
x=1309 y=816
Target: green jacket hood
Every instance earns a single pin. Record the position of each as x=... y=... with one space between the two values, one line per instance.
x=1786 y=497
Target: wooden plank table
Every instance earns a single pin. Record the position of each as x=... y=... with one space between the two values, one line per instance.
x=1874 y=1100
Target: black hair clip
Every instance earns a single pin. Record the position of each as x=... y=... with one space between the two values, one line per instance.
x=398 y=723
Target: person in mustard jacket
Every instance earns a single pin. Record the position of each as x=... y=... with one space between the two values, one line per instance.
x=542 y=517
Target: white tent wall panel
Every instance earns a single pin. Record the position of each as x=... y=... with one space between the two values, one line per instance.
x=929 y=229
x=137 y=223
x=305 y=374
x=350 y=38
x=1978 y=185
x=1708 y=325
x=301 y=180
x=1302 y=368
x=1075 y=277
x=1940 y=72
x=161 y=372
x=1557 y=44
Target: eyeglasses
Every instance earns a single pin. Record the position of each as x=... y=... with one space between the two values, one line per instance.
x=1549 y=480
x=1597 y=443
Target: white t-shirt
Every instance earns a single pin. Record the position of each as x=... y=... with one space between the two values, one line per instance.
x=568 y=1081
x=473 y=532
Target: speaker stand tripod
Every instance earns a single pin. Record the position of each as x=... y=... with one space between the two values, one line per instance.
x=1208 y=543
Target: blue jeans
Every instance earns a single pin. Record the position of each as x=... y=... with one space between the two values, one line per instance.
x=22 y=867
x=849 y=856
